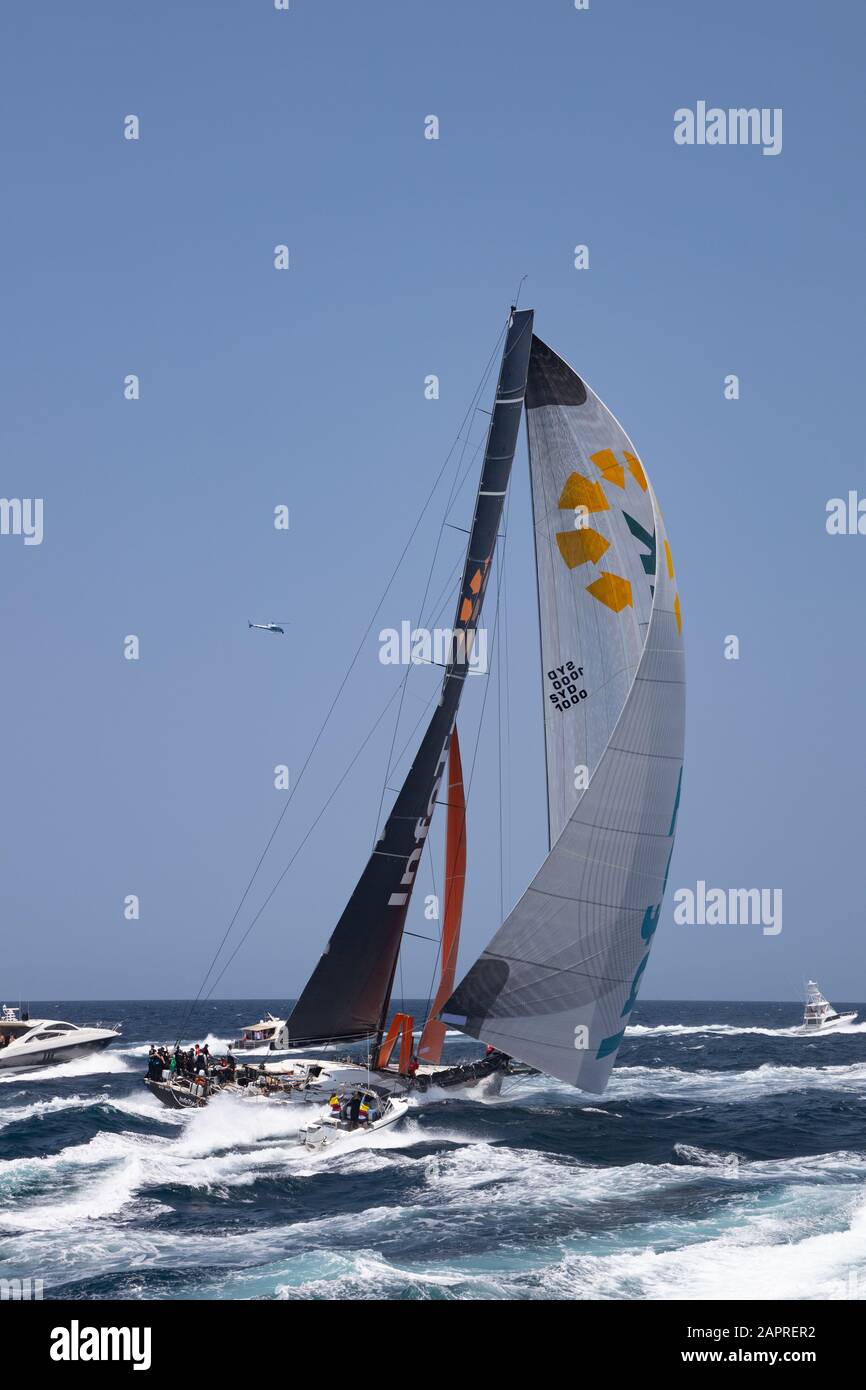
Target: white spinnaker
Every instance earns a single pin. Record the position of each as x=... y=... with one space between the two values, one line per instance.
x=557 y=983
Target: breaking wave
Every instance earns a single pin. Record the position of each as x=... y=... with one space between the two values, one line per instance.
x=730 y=1030
x=685 y=1180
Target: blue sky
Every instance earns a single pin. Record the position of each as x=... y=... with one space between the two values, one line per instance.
x=306 y=387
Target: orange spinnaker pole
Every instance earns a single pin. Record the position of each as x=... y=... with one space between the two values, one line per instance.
x=430 y=1048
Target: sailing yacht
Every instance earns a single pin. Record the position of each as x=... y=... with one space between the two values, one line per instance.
x=819 y=1016
x=556 y=985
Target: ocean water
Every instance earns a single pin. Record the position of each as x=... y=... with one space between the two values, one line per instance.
x=726 y=1160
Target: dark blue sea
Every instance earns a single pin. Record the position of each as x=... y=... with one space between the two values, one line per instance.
x=726 y=1160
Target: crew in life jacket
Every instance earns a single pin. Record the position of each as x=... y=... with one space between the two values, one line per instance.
x=364 y=1110
x=334 y=1106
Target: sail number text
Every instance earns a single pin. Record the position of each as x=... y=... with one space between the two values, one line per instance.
x=565 y=686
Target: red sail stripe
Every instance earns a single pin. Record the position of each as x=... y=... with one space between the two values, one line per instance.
x=430 y=1049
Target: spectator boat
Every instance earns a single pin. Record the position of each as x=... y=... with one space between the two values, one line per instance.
x=382 y=1108
x=819 y=1015
x=38 y=1042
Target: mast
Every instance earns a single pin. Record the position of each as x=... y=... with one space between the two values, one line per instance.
x=349 y=992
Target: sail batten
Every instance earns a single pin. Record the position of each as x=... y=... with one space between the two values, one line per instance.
x=557 y=984
x=348 y=993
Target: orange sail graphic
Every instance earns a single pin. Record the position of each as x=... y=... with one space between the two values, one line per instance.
x=430 y=1048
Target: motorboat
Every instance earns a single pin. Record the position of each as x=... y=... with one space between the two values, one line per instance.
x=269 y=1032
x=378 y=1110
x=819 y=1015
x=31 y=1042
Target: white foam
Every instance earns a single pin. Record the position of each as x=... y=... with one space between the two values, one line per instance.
x=803 y=1240
x=637 y=1030
x=91 y=1064
x=673 y=1083
x=811 y=1206
x=706 y=1158
x=792 y=1228
x=144 y=1107
x=365 y=1275
x=91 y=1180
x=766 y=1252
x=234 y=1123
x=19 y=1114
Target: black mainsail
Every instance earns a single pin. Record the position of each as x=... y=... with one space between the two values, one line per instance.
x=348 y=993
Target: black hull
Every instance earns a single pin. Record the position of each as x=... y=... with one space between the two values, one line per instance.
x=466 y=1073
x=173 y=1096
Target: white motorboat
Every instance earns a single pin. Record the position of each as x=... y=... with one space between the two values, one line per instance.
x=269 y=1032
x=31 y=1042
x=819 y=1015
x=331 y=1128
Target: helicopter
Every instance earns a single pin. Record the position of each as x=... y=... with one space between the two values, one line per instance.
x=269 y=627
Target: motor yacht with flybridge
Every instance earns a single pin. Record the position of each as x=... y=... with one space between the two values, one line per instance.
x=269 y=1033
x=819 y=1015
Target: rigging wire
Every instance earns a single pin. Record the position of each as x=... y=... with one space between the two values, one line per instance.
x=402 y=989
x=467 y=416
x=306 y=837
x=348 y=770
x=421 y=718
x=468 y=784
x=506 y=642
x=500 y=568
x=452 y=494
x=499 y=765
x=504 y=753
